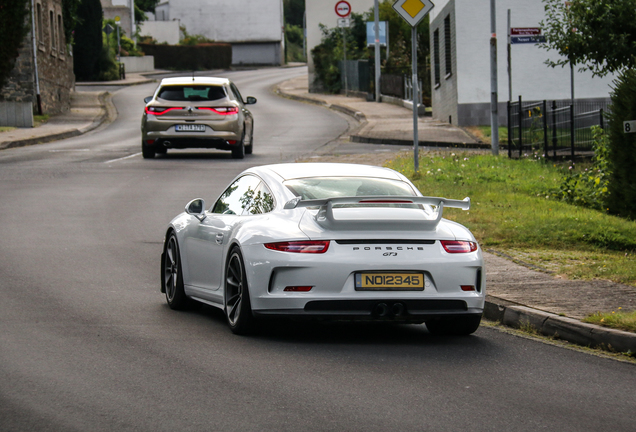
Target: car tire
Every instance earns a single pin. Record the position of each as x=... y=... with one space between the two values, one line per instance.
x=249 y=148
x=238 y=152
x=147 y=151
x=238 y=308
x=457 y=326
x=172 y=275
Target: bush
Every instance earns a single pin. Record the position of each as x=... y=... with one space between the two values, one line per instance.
x=622 y=154
x=590 y=188
x=330 y=51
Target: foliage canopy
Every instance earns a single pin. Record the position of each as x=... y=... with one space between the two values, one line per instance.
x=599 y=35
x=13 y=29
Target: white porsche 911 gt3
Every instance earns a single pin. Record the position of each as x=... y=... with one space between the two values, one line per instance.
x=326 y=241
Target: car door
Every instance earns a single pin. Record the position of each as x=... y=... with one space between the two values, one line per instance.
x=247 y=115
x=207 y=243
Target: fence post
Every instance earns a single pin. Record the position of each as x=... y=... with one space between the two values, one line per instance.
x=520 y=127
x=510 y=137
x=601 y=119
x=554 y=129
x=545 y=128
x=572 y=130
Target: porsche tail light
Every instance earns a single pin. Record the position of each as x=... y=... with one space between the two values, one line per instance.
x=221 y=110
x=160 y=110
x=305 y=246
x=455 y=246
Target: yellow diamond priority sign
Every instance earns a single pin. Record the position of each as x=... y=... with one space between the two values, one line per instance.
x=413 y=11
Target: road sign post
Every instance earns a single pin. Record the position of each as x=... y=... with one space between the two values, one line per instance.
x=343 y=10
x=413 y=12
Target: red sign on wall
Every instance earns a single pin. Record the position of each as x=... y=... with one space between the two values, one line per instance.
x=525 y=31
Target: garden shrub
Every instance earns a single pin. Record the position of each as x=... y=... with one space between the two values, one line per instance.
x=622 y=154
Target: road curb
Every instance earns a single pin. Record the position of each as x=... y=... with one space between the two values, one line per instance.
x=549 y=324
x=105 y=103
x=395 y=141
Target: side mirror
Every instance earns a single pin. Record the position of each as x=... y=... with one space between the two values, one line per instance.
x=250 y=100
x=196 y=208
x=147 y=99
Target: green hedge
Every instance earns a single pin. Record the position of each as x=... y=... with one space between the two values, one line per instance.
x=190 y=57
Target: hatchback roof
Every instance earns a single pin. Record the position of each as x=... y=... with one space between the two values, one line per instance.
x=195 y=80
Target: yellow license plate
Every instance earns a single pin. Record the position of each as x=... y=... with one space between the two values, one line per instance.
x=389 y=281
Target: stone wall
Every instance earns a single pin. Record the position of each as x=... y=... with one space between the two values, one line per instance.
x=54 y=63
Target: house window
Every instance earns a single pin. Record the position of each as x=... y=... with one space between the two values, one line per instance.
x=436 y=57
x=447 y=46
x=38 y=17
x=60 y=33
x=52 y=28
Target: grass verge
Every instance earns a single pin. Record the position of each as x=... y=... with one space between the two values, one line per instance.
x=515 y=210
x=617 y=320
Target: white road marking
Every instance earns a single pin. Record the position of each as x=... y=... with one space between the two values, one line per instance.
x=123 y=158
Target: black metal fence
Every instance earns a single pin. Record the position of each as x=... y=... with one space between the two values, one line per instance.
x=555 y=129
x=355 y=76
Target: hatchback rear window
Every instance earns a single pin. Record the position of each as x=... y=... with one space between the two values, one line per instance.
x=192 y=93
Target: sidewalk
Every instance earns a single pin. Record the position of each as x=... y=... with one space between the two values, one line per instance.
x=517 y=295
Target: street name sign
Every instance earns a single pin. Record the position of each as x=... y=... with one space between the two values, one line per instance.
x=527 y=39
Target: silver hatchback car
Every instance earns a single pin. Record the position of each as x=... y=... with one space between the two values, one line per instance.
x=197 y=112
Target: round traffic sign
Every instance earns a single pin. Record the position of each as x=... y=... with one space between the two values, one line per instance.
x=343 y=9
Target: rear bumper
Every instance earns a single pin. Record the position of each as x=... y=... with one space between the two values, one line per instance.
x=202 y=143
x=410 y=311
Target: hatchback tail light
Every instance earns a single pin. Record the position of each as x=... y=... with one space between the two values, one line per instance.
x=455 y=246
x=305 y=246
x=221 y=110
x=160 y=110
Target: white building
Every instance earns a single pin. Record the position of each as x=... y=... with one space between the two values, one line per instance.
x=460 y=62
x=254 y=28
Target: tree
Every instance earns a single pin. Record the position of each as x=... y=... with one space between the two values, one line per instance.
x=13 y=29
x=142 y=6
x=599 y=35
x=88 y=41
x=294 y=11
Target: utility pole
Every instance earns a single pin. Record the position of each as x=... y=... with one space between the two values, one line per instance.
x=376 y=16
x=494 y=98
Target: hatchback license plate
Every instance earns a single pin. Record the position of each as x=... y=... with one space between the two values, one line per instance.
x=190 y=128
x=389 y=281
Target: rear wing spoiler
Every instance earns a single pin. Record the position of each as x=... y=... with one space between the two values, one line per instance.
x=325 y=212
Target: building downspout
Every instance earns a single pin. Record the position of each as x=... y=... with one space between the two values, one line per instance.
x=35 y=59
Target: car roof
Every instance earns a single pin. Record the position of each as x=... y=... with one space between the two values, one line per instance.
x=195 y=80
x=304 y=170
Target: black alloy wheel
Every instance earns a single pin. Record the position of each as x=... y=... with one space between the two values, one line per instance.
x=238 y=309
x=172 y=275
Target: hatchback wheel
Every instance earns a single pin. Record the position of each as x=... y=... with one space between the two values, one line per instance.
x=147 y=151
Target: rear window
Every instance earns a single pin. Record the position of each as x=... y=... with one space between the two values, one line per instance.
x=331 y=187
x=192 y=93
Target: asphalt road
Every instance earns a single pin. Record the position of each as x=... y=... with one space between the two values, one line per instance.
x=88 y=344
